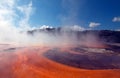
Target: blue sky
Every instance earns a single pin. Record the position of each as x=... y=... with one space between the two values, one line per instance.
x=24 y=15
x=89 y=14
x=80 y=12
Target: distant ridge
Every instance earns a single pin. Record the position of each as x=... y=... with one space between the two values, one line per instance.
x=104 y=35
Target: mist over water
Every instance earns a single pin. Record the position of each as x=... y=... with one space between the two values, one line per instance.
x=66 y=36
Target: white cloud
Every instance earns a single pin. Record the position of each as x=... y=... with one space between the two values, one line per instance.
x=26 y=10
x=73 y=28
x=7 y=3
x=6 y=17
x=116 y=19
x=8 y=14
x=94 y=24
x=45 y=26
x=9 y=31
x=77 y=28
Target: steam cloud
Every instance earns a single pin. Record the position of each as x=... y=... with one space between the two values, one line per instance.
x=12 y=32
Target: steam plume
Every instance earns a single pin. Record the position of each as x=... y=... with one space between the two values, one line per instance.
x=12 y=32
